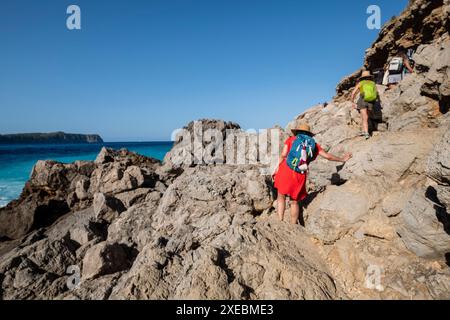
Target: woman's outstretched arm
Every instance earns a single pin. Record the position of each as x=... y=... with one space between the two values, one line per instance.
x=331 y=157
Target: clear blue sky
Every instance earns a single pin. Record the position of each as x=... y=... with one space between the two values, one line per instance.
x=140 y=69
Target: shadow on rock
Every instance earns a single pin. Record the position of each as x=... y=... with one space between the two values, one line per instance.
x=222 y=255
x=45 y=215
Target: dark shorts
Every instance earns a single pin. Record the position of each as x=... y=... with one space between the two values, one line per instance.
x=364 y=104
x=395 y=78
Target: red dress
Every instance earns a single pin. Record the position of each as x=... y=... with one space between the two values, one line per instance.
x=289 y=182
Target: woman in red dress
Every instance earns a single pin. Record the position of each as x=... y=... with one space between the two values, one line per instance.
x=291 y=183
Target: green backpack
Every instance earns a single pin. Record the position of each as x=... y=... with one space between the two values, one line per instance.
x=369 y=89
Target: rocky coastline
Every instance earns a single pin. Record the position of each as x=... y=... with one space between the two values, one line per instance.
x=129 y=227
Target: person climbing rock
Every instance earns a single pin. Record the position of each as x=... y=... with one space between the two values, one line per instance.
x=291 y=173
x=397 y=68
x=368 y=96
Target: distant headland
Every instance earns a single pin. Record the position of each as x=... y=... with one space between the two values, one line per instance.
x=49 y=138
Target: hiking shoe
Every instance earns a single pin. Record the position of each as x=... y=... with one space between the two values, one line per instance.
x=366 y=135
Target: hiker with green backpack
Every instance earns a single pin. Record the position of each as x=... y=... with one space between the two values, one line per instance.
x=368 y=96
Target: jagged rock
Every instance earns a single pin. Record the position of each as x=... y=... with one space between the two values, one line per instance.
x=134 y=224
x=439 y=170
x=439 y=162
x=195 y=247
x=85 y=168
x=51 y=192
x=335 y=116
x=27 y=280
x=144 y=280
x=42 y=201
x=120 y=171
x=32 y=211
x=56 y=189
x=336 y=211
x=422 y=22
x=92 y=289
x=377 y=226
x=52 y=175
x=403 y=275
x=217 y=189
x=104 y=258
x=75 y=226
x=81 y=235
x=390 y=157
x=435 y=59
x=107 y=208
x=43 y=261
x=230 y=269
x=411 y=111
x=187 y=152
x=394 y=202
x=83 y=248
x=82 y=188
x=106 y=155
x=160 y=187
x=115 y=178
x=133 y=197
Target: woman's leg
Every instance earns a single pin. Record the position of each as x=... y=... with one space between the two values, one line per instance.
x=365 y=120
x=281 y=205
x=295 y=212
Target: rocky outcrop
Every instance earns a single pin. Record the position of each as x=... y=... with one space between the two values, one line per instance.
x=104 y=258
x=438 y=169
x=206 y=236
x=190 y=142
x=422 y=23
x=200 y=226
x=56 y=189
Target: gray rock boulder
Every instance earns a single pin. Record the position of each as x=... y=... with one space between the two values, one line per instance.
x=133 y=227
x=130 y=198
x=439 y=170
x=82 y=188
x=423 y=21
x=106 y=155
x=439 y=162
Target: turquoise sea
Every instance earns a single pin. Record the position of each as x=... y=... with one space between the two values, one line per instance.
x=17 y=161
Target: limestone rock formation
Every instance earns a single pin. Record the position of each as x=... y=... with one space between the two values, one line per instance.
x=104 y=258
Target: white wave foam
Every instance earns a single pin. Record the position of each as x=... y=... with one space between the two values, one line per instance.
x=9 y=190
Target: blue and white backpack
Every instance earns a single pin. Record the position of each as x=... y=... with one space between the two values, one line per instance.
x=302 y=153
